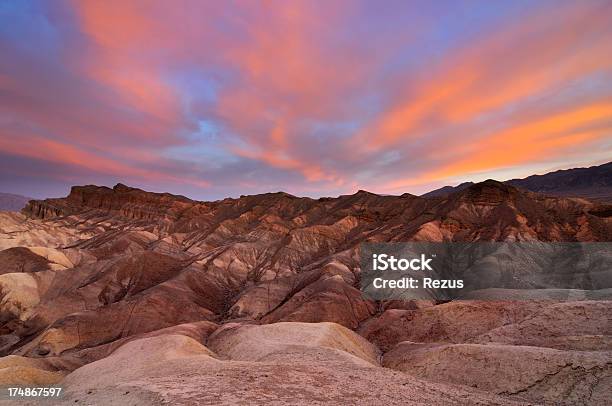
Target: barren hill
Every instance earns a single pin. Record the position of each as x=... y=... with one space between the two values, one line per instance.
x=147 y=287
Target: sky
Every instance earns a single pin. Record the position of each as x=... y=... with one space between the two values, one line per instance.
x=211 y=99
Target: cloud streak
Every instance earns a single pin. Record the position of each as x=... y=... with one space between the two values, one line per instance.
x=211 y=99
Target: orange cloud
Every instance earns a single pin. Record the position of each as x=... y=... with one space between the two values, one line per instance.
x=275 y=155
x=121 y=32
x=286 y=81
x=521 y=60
x=44 y=149
x=532 y=141
x=324 y=97
x=540 y=139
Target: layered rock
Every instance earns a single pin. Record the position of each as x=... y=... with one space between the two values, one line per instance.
x=116 y=272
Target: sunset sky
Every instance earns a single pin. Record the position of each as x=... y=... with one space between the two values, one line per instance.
x=219 y=98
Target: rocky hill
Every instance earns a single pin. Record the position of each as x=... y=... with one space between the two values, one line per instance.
x=259 y=296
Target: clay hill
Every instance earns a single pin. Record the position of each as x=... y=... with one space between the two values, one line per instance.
x=11 y=202
x=593 y=183
x=128 y=297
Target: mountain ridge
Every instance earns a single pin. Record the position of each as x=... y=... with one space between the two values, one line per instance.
x=176 y=213
x=594 y=182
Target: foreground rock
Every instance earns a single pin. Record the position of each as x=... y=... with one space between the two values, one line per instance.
x=453 y=322
x=585 y=325
x=539 y=374
x=290 y=341
x=315 y=364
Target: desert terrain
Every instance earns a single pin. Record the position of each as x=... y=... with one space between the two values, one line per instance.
x=122 y=296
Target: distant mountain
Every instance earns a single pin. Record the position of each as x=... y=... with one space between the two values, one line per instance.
x=593 y=183
x=447 y=190
x=11 y=202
